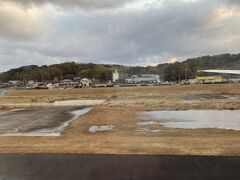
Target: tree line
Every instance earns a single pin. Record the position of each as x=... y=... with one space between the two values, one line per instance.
x=103 y=72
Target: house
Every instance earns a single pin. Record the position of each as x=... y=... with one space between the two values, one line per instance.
x=14 y=82
x=55 y=79
x=5 y=85
x=31 y=82
x=86 y=82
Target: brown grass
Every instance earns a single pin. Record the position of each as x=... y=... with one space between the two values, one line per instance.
x=120 y=111
x=5 y=108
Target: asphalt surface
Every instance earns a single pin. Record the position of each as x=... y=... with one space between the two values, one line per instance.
x=39 y=120
x=116 y=167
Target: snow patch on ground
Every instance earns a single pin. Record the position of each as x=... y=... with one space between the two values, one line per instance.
x=94 y=129
x=78 y=102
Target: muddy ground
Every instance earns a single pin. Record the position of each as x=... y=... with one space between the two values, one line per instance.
x=120 y=110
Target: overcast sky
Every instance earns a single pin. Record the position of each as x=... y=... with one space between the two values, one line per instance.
x=130 y=32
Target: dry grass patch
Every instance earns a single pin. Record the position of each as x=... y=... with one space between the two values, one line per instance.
x=120 y=110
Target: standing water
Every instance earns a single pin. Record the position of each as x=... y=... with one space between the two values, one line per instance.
x=192 y=119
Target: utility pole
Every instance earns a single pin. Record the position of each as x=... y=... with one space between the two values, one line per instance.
x=42 y=76
x=20 y=79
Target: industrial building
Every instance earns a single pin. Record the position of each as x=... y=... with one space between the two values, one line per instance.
x=211 y=79
x=144 y=79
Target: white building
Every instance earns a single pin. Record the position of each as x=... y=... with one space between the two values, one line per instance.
x=144 y=78
x=115 y=76
x=86 y=82
x=31 y=82
x=14 y=82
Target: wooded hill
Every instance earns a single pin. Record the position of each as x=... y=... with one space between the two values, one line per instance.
x=103 y=72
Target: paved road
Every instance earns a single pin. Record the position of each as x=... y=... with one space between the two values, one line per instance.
x=36 y=120
x=116 y=167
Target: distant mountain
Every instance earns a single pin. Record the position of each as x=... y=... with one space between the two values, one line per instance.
x=190 y=67
x=103 y=72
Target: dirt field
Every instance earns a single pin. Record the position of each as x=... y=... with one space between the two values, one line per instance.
x=120 y=109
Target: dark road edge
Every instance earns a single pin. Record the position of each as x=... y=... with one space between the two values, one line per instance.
x=53 y=166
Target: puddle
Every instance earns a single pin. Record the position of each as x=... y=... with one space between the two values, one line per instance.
x=148 y=130
x=148 y=123
x=94 y=129
x=193 y=119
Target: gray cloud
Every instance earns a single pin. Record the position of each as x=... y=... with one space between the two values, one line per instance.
x=135 y=34
x=233 y=2
x=92 y=4
x=17 y=23
x=178 y=30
